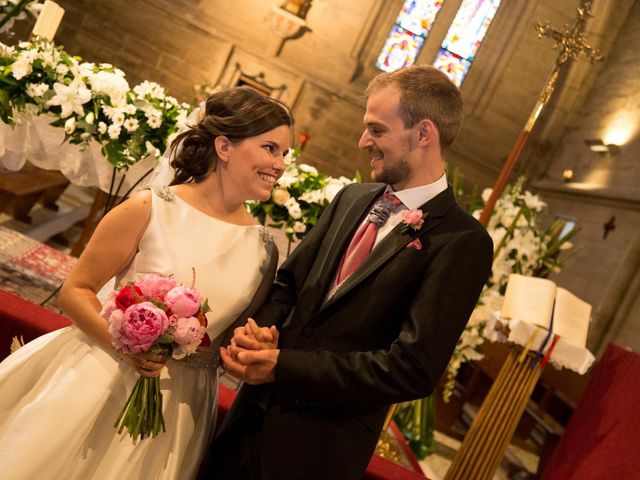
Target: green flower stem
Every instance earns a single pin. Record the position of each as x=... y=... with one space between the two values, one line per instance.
x=509 y=233
x=142 y=413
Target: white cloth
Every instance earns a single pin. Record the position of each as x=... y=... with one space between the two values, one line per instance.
x=61 y=393
x=564 y=355
x=34 y=139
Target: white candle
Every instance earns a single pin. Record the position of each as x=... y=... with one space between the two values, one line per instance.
x=48 y=20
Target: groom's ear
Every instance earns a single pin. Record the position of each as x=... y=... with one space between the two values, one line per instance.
x=223 y=147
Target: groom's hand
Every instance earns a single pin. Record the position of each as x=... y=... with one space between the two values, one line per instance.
x=251 y=366
x=253 y=337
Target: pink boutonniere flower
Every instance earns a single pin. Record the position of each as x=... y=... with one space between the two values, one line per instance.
x=413 y=219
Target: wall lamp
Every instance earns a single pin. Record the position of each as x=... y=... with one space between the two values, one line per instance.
x=567 y=174
x=600 y=147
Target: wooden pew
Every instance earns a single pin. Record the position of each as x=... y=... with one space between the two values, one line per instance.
x=19 y=191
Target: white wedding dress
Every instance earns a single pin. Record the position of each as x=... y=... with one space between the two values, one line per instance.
x=61 y=393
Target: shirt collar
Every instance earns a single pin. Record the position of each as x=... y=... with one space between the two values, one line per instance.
x=418 y=196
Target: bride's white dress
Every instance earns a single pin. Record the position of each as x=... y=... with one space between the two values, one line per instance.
x=61 y=393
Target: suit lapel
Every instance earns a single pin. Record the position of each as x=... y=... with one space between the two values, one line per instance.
x=394 y=242
x=337 y=238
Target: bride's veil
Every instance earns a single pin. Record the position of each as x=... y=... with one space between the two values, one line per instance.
x=163 y=174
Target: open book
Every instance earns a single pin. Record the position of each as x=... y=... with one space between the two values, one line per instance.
x=537 y=300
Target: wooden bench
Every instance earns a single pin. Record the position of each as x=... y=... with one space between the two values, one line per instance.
x=19 y=191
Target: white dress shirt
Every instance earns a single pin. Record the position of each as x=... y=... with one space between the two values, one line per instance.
x=411 y=198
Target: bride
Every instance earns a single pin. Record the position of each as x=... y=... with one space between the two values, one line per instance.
x=62 y=393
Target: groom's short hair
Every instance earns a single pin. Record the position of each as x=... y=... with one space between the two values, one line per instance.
x=425 y=93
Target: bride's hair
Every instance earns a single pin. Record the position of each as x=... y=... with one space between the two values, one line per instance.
x=237 y=113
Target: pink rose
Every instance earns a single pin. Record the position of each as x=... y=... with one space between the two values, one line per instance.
x=127 y=296
x=188 y=335
x=183 y=301
x=142 y=324
x=155 y=286
x=109 y=305
x=413 y=218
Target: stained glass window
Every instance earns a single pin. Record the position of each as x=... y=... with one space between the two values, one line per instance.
x=408 y=34
x=464 y=37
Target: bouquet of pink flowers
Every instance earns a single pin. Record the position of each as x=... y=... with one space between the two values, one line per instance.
x=157 y=315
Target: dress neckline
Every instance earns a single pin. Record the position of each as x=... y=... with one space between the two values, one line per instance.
x=211 y=216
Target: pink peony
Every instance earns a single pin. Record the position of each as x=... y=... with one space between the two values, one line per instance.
x=188 y=335
x=114 y=326
x=142 y=324
x=183 y=301
x=155 y=286
x=413 y=218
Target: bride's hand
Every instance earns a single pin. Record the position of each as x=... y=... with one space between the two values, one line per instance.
x=147 y=364
x=252 y=337
x=266 y=337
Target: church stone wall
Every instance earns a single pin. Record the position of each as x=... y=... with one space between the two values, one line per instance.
x=604 y=186
x=186 y=42
x=180 y=43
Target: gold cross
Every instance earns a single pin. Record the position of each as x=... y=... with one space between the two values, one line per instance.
x=571 y=41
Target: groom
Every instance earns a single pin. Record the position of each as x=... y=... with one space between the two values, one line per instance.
x=360 y=331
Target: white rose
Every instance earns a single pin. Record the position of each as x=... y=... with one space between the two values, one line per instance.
x=102 y=128
x=70 y=125
x=20 y=69
x=62 y=70
x=307 y=168
x=295 y=212
x=299 y=227
x=280 y=196
x=35 y=90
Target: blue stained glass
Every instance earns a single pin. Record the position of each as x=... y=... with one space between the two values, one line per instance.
x=418 y=17
x=400 y=50
x=465 y=35
x=408 y=34
x=470 y=26
x=453 y=65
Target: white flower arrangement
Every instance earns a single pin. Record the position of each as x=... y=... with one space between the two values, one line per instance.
x=90 y=102
x=299 y=198
x=520 y=246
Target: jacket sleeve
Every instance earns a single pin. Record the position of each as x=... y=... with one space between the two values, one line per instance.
x=293 y=272
x=412 y=365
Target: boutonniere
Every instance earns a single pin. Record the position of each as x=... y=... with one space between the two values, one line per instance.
x=413 y=220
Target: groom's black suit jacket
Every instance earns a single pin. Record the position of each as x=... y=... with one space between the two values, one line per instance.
x=386 y=336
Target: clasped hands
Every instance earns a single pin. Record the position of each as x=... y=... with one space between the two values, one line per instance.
x=252 y=355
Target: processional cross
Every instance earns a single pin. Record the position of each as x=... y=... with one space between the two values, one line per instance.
x=571 y=42
x=490 y=432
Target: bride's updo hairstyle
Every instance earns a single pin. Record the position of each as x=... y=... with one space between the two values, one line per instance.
x=237 y=114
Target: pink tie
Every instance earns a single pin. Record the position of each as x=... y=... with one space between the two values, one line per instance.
x=364 y=238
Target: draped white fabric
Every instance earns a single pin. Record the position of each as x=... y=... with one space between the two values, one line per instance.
x=34 y=139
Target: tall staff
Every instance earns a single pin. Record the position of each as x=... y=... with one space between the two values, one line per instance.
x=571 y=43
